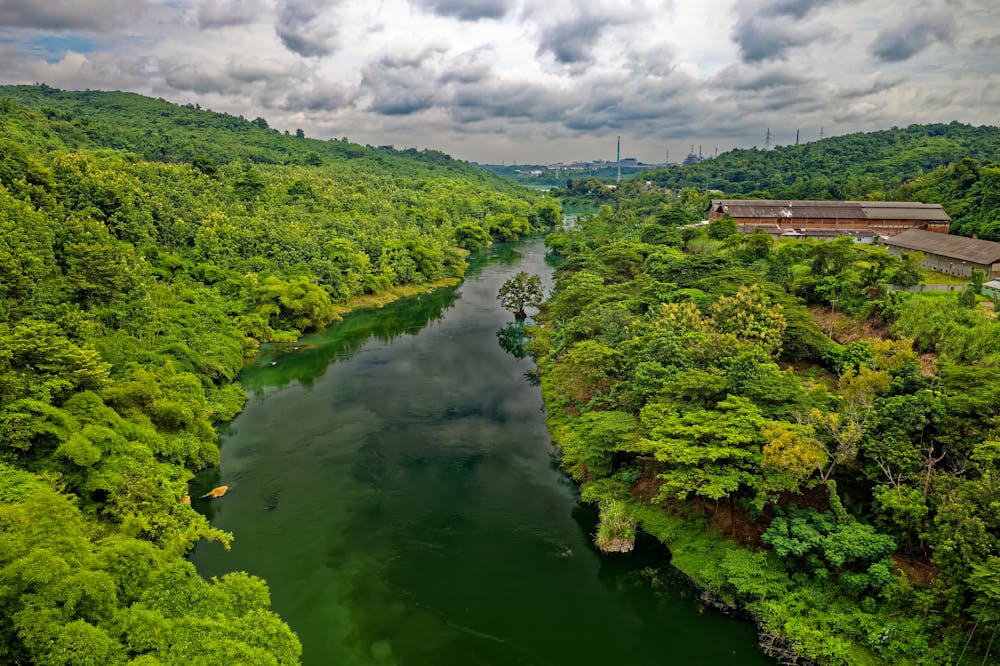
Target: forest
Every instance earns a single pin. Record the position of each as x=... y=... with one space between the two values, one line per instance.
x=816 y=449
x=955 y=165
x=146 y=250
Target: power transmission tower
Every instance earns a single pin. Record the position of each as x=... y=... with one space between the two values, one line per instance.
x=767 y=139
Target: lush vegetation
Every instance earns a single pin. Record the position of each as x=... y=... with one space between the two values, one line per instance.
x=844 y=491
x=145 y=251
x=852 y=166
x=969 y=190
x=954 y=165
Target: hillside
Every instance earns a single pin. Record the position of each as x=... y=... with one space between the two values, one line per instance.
x=852 y=166
x=844 y=495
x=145 y=250
x=157 y=130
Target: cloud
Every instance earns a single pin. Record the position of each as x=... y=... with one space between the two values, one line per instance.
x=402 y=83
x=225 y=13
x=322 y=97
x=203 y=78
x=574 y=34
x=767 y=29
x=78 y=70
x=761 y=78
x=989 y=43
x=468 y=10
x=304 y=28
x=253 y=70
x=97 y=15
x=525 y=79
x=913 y=34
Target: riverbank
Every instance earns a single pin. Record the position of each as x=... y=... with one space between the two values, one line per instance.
x=383 y=298
x=405 y=456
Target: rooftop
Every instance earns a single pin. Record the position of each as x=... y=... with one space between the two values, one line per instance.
x=854 y=210
x=957 y=247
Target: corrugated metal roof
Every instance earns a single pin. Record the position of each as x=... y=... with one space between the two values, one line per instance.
x=854 y=210
x=956 y=247
x=894 y=210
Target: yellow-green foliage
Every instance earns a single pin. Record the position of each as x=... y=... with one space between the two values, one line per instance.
x=132 y=287
x=616 y=529
x=841 y=493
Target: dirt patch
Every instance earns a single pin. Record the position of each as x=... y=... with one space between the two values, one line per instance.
x=928 y=364
x=845 y=329
x=729 y=519
x=648 y=485
x=916 y=571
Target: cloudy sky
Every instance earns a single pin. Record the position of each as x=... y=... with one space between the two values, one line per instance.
x=529 y=80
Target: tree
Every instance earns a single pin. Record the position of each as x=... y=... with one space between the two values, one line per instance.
x=722 y=227
x=519 y=292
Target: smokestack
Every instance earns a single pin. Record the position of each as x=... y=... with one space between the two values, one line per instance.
x=619 y=160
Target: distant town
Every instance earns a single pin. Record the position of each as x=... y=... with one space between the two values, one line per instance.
x=555 y=173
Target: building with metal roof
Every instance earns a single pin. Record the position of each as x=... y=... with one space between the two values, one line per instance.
x=954 y=255
x=867 y=218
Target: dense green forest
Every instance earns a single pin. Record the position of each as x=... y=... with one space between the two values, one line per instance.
x=145 y=251
x=842 y=490
x=955 y=165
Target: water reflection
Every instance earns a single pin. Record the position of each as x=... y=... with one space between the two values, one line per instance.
x=403 y=501
x=513 y=340
x=277 y=365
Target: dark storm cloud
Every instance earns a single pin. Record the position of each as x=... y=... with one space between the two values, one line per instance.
x=913 y=34
x=571 y=38
x=571 y=42
x=98 y=15
x=768 y=29
x=401 y=84
x=224 y=13
x=468 y=10
x=642 y=106
x=523 y=100
x=304 y=28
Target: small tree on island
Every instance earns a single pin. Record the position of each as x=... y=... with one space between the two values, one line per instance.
x=519 y=292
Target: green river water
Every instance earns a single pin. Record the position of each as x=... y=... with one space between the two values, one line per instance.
x=393 y=481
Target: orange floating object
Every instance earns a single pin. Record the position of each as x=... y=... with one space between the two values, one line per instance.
x=216 y=492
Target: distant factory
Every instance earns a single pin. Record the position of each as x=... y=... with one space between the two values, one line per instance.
x=862 y=220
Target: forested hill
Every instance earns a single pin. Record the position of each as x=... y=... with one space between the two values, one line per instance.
x=145 y=251
x=157 y=130
x=851 y=166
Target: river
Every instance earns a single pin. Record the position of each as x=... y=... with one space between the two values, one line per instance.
x=393 y=481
